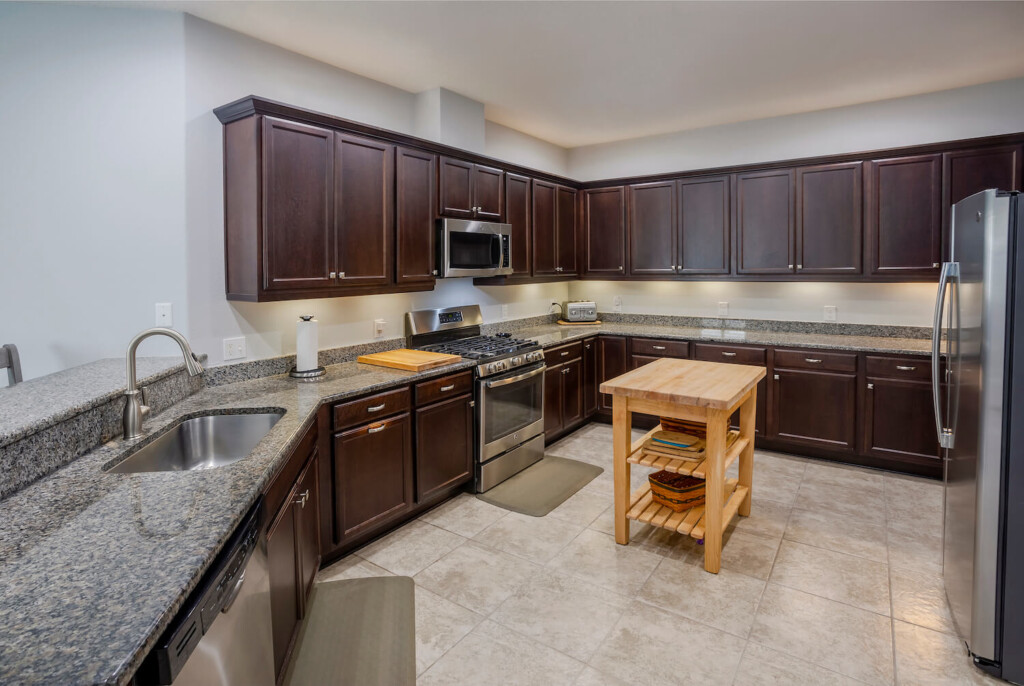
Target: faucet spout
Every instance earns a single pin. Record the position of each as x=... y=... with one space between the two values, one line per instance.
x=135 y=409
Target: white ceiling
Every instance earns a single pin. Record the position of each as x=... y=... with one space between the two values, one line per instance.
x=577 y=73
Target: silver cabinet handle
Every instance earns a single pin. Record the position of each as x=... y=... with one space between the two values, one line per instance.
x=434 y=272
x=301 y=499
x=905 y=368
x=789 y=266
x=566 y=371
x=587 y=346
x=620 y=267
x=725 y=354
x=776 y=377
x=935 y=265
x=376 y=408
x=658 y=347
x=376 y=429
x=799 y=266
x=871 y=386
x=334 y=275
x=812 y=360
x=564 y=353
x=341 y=275
x=445 y=389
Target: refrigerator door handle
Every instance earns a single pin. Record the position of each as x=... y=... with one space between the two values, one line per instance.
x=949 y=271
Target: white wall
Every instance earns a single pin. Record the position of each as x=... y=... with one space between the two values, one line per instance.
x=517 y=147
x=983 y=110
x=92 y=178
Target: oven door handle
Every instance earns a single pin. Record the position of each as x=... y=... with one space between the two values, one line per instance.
x=516 y=379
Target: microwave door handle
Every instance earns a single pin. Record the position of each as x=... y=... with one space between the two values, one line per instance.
x=515 y=379
x=496 y=252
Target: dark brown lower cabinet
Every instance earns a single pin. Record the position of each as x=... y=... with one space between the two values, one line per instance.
x=444 y=446
x=899 y=422
x=563 y=397
x=373 y=475
x=740 y=354
x=611 y=361
x=640 y=360
x=816 y=408
x=589 y=376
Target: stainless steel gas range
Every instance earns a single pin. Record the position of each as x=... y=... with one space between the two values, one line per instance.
x=508 y=393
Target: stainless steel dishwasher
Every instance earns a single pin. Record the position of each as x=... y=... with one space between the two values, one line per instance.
x=222 y=636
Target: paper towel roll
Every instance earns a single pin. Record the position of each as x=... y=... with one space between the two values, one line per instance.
x=306 y=348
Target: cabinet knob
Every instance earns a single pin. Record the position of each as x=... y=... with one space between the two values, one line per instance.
x=620 y=267
x=776 y=377
x=799 y=267
x=871 y=386
x=341 y=275
x=334 y=275
x=789 y=266
x=935 y=265
x=434 y=272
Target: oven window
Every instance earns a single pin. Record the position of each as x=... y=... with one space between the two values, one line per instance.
x=472 y=250
x=508 y=409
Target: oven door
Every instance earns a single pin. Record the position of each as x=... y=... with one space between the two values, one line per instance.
x=511 y=410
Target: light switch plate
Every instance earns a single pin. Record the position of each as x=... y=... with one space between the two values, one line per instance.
x=830 y=313
x=504 y=311
x=617 y=303
x=234 y=348
x=723 y=308
x=378 y=328
x=163 y=315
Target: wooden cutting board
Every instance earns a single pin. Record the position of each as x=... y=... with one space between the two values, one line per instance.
x=409 y=360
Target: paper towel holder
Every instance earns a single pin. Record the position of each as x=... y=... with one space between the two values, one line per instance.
x=310 y=374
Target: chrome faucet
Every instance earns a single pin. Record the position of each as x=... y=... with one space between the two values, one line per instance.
x=135 y=409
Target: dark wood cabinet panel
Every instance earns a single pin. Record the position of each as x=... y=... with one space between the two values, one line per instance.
x=735 y=354
x=898 y=421
x=829 y=224
x=298 y=193
x=545 y=234
x=704 y=225
x=565 y=219
x=455 y=188
x=572 y=393
x=764 y=222
x=966 y=172
x=444 y=446
x=636 y=360
x=364 y=210
x=611 y=356
x=415 y=212
x=653 y=229
x=488 y=193
x=373 y=475
x=816 y=408
x=517 y=215
x=589 y=376
x=604 y=221
x=904 y=217
x=284 y=583
x=552 y=402
x=307 y=528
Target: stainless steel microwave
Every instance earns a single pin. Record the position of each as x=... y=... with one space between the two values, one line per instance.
x=471 y=248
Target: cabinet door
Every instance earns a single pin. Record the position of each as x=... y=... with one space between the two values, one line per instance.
x=589 y=376
x=415 y=210
x=306 y=504
x=653 y=232
x=444 y=446
x=565 y=220
x=904 y=217
x=636 y=360
x=899 y=421
x=553 y=401
x=734 y=354
x=829 y=226
x=967 y=172
x=372 y=475
x=611 y=356
x=572 y=393
x=282 y=567
x=298 y=195
x=705 y=220
x=364 y=210
x=545 y=235
x=517 y=215
x=488 y=192
x=604 y=231
x=455 y=188
x=816 y=408
x=764 y=222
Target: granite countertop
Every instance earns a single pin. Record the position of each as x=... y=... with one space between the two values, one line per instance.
x=93 y=566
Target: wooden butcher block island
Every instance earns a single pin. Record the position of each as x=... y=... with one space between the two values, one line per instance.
x=704 y=392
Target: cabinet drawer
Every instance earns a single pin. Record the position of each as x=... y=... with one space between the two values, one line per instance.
x=443 y=388
x=816 y=359
x=736 y=354
x=659 y=348
x=370 y=409
x=563 y=353
x=900 y=367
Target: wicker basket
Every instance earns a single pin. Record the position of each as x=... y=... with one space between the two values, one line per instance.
x=677 y=492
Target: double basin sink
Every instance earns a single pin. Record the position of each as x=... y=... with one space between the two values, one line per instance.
x=203 y=442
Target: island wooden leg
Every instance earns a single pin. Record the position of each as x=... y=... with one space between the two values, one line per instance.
x=622 y=439
x=748 y=418
x=718 y=424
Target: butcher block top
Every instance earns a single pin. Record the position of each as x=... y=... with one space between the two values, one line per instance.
x=409 y=360
x=687 y=382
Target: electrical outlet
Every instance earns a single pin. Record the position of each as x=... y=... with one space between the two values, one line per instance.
x=723 y=308
x=234 y=348
x=378 y=328
x=830 y=313
x=504 y=311
x=163 y=315
x=617 y=303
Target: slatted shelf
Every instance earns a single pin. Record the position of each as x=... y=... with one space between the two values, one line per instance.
x=697 y=468
x=644 y=509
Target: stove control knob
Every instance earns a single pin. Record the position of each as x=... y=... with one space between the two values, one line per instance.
x=516 y=361
x=491 y=368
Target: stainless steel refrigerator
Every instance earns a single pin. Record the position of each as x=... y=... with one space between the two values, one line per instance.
x=978 y=388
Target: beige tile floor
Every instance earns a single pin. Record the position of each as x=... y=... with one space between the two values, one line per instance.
x=834 y=579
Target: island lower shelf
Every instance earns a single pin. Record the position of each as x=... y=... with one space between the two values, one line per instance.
x=642 y=508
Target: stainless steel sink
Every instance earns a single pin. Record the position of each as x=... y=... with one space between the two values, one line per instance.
x=201 y=443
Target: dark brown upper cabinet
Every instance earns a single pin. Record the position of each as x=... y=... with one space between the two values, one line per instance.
x=517 y=215
x=470 y=191
x=764 y=222
x=967 y=172
x=553 y=218
x=364 y=210
x=298 y=232
x=904 y=216
x=604 y=221
x=415 y=211
x=565 y=218
x=705 y=224
x=653 y=230
x=829 y=224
